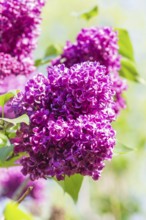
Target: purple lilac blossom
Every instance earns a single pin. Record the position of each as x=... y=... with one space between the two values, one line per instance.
x=101 y=45
x=12 y=178
x=19 y=22
x=70 y=122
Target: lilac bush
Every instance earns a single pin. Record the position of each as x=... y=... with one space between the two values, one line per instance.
x=59 y=126
x=70 y=110
x=70 y=130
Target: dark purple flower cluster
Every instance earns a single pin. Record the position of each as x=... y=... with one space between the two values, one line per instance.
x=70 y=122
x=101 y=45
x=19 y=29
x=12 y=178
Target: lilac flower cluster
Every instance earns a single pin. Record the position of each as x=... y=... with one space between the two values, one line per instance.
x=12 y=178
x=19 y=21
x=101 y=45
x=70 y=122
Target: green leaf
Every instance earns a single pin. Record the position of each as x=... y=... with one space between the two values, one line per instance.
x=122 y=149
x=11 y=131
x=13 y=212
x=72 y=185
x=51 y=52
x=125 y=45
x=3 y=140
x=90 y=14
x=129 y=71
x=7 y=96
x=22 y=119
x=5 y=152
x=12 y=160
x=87 y=15
x=38 y=62
x=128 y=66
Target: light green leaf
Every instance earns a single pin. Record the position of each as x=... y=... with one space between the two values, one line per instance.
x=122 y=149
x=13 y=212
x=125 y=45
x=3 y=140
x=7 y=96
x=12 y=160
x=72 y=185
x=129 y=71
x=5 y=152
x=128 y=67
x=87 y=15
x=22 y=119
x=51 y=52
x=90 y=14
x=38 y=62
x=11 y=131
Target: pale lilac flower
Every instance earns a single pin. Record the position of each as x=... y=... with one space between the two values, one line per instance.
x=12 y=178
x=10 y=66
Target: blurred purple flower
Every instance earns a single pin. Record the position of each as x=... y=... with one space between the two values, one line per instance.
x=70 y=122
x=12 y=178
x=101 y=45
x=19 y=22
x=10 y=66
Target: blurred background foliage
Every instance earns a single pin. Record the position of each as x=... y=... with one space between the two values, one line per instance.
x=120 y=194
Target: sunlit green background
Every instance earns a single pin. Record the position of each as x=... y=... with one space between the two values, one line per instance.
x=120 y=194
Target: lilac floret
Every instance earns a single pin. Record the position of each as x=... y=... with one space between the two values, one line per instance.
x=35 y=96
x=70 y=122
